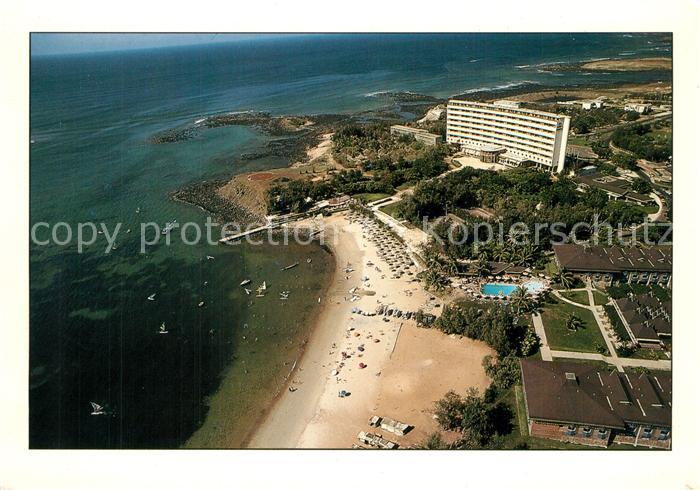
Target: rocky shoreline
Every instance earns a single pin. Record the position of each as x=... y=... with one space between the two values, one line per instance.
x=205 y=196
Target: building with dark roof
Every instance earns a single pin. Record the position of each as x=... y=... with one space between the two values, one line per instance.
x=640 y=265
x=615 y=187
x=581 y=404
x=646 y=318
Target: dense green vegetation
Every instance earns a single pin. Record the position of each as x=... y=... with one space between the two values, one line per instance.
x=622 y=290
x=617 y=325
x=518 y=195
x=583 y=121
x=386 y=162
x=656 y=146
x=479 y=419
x=506 y=333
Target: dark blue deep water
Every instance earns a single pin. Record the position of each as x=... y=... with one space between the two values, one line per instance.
x=93 y=334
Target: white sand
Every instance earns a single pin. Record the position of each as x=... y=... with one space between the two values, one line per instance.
x=402 y=385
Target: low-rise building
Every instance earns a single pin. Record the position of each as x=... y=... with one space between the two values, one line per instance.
x=632 y=265
x=418 y=134
x=582 y=404
x=646 y=318
x=591 y=104
x=638 y=107
x=615 y=187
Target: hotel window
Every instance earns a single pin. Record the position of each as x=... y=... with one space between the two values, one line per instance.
x=571 y=430
x=646 y=433
x=587 y=432
x=602 y=433
x=663 y=434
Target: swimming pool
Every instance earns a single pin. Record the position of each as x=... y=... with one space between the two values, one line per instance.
x=496 y=289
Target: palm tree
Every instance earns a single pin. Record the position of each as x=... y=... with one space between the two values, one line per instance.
x=520 y=299
x=523 y=254
x=450 y=267
x=482 y=266
x=573 y=322
x=565 y=278
x=434 y=280
x=500 y=253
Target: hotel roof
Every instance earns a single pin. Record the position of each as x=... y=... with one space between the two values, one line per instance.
x=579 y=393
x=519 y=110
x=596 y=258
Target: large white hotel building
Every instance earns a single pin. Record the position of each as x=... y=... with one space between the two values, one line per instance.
x=503 y=132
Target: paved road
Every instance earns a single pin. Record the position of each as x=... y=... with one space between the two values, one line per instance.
x=539 y=330
x=618 y=362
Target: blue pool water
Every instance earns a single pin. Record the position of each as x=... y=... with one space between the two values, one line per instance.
x=494 y=289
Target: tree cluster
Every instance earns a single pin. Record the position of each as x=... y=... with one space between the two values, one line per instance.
x=497 y=326
x=644 y=143
x=480 y=421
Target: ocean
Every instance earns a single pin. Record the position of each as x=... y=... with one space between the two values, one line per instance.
x=93 y=332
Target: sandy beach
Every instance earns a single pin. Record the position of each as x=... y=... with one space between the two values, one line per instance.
x=407 y=368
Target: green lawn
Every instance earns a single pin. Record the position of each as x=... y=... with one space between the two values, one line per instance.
x=585 y=339
x=391 y=209
x=652 y=209
x=653 y=354
x=366 y=197
x=580 y=297
x=578 y=140
x=600 y=298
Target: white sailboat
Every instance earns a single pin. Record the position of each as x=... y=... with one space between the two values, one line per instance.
x=247 y=291
x=245 y=281
x=209 y=257
x=97 y=409
x=162 y=328
x=152 y=297
x=168 y=227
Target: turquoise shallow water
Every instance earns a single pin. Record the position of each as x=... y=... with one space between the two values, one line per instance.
x=93 y=333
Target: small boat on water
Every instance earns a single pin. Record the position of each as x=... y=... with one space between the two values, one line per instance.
x=284 y=295
x=247 y=291
x=209 y=257
x=169 y=227
x=200 y=304
x=290 y=266
x=97 y=409
x=163 y=329
x=308 y=261
x=152 y=297
x=244 y=282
